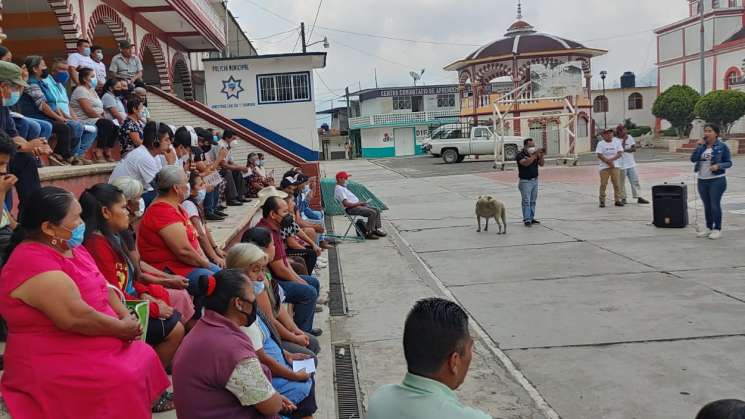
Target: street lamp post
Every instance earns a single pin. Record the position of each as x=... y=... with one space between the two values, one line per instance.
x=325 y=40
x=603 y=74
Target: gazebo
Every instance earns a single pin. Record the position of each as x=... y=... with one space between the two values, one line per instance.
x=501 y=66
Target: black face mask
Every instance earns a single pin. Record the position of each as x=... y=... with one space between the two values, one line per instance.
x=44 y=73
x=287 y=221
x=251 y=316
x=206 y=147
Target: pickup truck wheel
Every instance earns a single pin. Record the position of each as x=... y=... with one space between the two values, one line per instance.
x=450 y=156
x=510 y=152
x=461 y=158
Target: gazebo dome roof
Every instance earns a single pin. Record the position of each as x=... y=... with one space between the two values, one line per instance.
x=522 y=38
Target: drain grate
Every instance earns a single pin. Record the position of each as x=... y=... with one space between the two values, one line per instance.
x=337 y=300
x=345 y=383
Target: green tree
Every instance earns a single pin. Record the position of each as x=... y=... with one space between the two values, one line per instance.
x=723 y=107
x=676 y=105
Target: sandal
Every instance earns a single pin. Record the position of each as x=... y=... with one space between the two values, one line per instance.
x=164 y=403
x=55 y=160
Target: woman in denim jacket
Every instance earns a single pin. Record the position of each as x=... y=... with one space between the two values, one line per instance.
x=712 y=157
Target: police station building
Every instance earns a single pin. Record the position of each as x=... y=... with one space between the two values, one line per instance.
x=269 y=94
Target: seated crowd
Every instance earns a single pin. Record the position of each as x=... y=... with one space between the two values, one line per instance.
x=227 y=324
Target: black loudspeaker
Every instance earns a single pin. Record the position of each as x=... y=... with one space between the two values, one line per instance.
x=670 y=205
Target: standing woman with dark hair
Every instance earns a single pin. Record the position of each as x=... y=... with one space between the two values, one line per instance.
x=106 y=216
x=712 y=157
x=216 y=371
x=89 y=107
x=73 y=348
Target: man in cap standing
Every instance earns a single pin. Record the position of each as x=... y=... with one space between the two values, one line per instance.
x=126 y=65
x=609 y=151
x=353 y=206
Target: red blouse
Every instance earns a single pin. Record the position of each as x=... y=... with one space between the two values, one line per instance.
x=153 y=249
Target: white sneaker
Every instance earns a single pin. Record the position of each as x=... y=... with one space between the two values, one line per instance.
x=703 y=234
x=716 y=235
x=322 y=259
x=321 y=265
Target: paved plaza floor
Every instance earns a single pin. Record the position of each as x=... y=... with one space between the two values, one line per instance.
x=593 y=314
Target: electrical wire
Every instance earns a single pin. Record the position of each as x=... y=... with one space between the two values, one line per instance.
x=324 y=83
x=315 y=19
x=270 y=12
x=275 y=34
x=406 y=66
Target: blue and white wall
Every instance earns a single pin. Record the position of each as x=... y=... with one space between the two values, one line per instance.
x=232 y=87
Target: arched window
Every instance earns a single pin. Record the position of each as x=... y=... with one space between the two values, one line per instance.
x=732 y=77
x=600 y=104
x=636 y=101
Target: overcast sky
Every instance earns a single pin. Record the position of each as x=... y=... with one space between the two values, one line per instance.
x=624 y=28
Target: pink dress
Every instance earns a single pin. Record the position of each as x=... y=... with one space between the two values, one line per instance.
x=50 y=373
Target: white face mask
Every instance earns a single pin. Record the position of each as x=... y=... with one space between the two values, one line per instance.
x=531 y=150
x=141 y=210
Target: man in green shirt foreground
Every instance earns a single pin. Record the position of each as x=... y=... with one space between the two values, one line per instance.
x=438 y=350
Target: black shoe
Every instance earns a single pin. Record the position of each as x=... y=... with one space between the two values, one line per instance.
x=534 y=221
x=371 y=236
x=316 y=332
x=221 y=207
x=619 y=204
x=642 y=201
x=623 y=201
x=528 y=224
x=235 y=203
x=213 y=217
x=380 y=233
x=221 y=214
x=602 y=205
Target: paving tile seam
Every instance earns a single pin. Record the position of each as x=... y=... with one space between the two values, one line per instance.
x=356 y=342
x=628 y=342
x=540 y=402
x=497 y=246
x=582 y=276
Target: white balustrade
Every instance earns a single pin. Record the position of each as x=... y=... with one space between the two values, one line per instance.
x=389 y=119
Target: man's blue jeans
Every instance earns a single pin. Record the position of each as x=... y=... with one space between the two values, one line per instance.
x=30 y=128
x=304 y=298
x=77 y=129
x=211 y=201
x=529 y=192
x=312 y=215
x=711 y=191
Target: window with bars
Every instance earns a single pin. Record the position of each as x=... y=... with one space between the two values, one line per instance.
x=401 y=103
x=731 y=78
x=636 y=101
x=288 y=87
x=446 y=101
x=600 y=104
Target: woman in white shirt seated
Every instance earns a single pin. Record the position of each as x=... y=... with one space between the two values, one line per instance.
x=86 y=103
x=193 y=207
x=142 y=162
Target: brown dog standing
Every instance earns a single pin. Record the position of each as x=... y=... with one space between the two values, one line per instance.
x=488 y=207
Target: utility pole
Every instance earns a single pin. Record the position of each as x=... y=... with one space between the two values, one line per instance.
x=376 y=77
x=349 y=130
x=702 y=54
x=302 y=36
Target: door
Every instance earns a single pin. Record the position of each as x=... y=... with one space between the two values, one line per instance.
x=536 y=133
x=404 y=141
x=482 y=142
x=417 y=104
x=553 y=136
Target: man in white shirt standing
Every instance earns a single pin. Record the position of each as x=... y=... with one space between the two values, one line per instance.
x=609 y=151
x=100 y=67
x=82 y=58
x=353 y=206
x=627 y=166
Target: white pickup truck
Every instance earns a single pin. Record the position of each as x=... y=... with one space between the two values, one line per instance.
x=454 y=142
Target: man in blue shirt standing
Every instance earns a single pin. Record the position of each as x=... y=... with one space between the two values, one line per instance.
x=438 y=349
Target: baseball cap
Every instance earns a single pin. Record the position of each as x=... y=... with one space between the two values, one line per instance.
x=268 y=192
x=343 y=175
x=11 y=73
x=607 y=130
x=124 y=44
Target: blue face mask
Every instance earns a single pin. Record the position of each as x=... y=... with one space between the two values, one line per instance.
x=215 y=138
x=201 y=195
x=78 y=234
x=258 y=287
x=62 y=77
x=94 y=82
x=306 y=189
x=87 y=52
x=12 y=100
